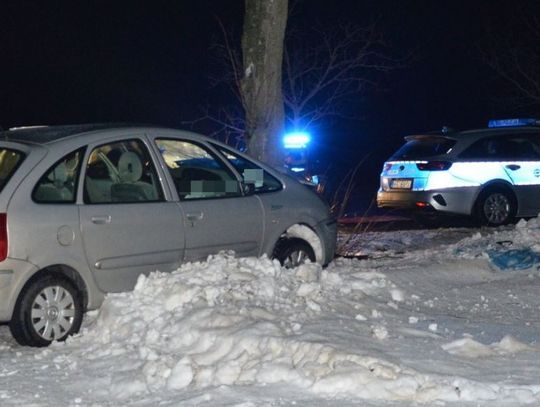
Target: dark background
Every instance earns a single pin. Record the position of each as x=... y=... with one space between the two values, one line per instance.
x=151 y=61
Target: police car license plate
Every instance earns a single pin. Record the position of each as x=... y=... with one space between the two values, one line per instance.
x=399 y=183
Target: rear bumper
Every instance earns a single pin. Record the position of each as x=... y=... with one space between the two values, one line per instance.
x=13 y=275
x=452 y=200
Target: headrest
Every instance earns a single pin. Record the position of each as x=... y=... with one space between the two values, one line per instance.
x=130 y=168
x=60 y=175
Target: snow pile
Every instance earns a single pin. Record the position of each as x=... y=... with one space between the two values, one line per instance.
x=511 y=247
x=468 y=347
x=235 y=322
x=238 y=322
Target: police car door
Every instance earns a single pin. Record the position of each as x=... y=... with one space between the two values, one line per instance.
x=522 y=164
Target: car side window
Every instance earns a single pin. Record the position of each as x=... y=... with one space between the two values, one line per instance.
x=484 y=149
x=517 y=147
x=251 y=172
x=121 y=172
x=196 y=173
x=59 y=183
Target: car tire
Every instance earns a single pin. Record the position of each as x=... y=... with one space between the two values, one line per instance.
x=48 y=309
x=293 y=252
x=495 y=207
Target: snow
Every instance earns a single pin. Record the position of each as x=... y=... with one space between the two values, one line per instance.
x=426 y=319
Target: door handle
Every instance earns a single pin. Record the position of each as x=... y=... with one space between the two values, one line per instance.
x=513 y=167
x=101 y=220
x=193 y=216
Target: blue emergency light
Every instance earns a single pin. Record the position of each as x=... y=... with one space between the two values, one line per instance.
x=512 y=122
x=297 y=140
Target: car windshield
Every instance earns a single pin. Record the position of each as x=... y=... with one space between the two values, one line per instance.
x=9 y=161
x=420 y=148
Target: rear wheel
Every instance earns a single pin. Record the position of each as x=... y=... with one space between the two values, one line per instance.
x=293 y=252
x=49 y=309
x=495 y=207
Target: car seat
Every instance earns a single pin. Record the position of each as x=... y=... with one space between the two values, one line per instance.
x=54 y=188
x=131 y=188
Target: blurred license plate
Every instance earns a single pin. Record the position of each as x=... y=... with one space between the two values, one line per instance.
x=401 y=183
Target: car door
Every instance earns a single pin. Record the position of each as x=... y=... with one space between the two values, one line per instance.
x=268 y=189
x=522 y=163
x=216 y=214
x=128 y=227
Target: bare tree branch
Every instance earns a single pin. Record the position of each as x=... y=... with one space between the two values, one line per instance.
x=322 y=71
x=341 y=63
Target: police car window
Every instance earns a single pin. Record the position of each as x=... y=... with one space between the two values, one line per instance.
x=517 y=147
x=251 y=172
x=420 y=148
x=534 y=140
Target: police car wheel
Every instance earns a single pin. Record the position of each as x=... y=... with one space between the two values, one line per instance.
x=495 y=207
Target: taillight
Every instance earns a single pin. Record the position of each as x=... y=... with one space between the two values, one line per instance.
x=3 y=237
x=434 y=166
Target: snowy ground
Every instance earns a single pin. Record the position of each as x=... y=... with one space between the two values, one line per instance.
x=425 y=320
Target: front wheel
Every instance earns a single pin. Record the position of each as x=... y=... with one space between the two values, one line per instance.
x=293 y=252
x=49 y=309
x=495 y=207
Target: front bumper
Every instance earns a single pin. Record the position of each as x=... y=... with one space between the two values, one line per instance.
x=327 y=232
x=451 y=200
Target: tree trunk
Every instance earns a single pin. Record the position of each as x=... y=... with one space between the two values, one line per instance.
x=262 y=49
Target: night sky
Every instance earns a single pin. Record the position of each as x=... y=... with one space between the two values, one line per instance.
x=151 y=62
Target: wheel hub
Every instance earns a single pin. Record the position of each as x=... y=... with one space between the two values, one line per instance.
x=296 y=258
x=53 y=313
x=497 y=208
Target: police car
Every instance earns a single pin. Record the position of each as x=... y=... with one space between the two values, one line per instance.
x=491 y=174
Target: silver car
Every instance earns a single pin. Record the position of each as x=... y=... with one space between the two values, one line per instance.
x=84 y=210
x=492 y=174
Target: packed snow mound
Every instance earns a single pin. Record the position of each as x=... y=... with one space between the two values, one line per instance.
x=231 y=321
x=513 y=247
x=468 y=347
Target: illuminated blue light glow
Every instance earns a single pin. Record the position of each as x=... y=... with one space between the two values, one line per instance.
x=298 y=169
x=297 y=140
x=512 y=122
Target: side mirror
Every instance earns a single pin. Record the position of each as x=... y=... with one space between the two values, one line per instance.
x=248 y=188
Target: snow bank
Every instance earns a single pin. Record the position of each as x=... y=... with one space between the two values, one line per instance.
x=468 y=347
x=238 y=322
x=514 y=247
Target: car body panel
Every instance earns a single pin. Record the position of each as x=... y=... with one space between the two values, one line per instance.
x=211 y=225
x=118 y=249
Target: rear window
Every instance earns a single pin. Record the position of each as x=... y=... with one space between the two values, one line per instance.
x=9 y=162
x=420 y=148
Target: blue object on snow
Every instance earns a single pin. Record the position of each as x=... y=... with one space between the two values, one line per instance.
x=516 y=259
